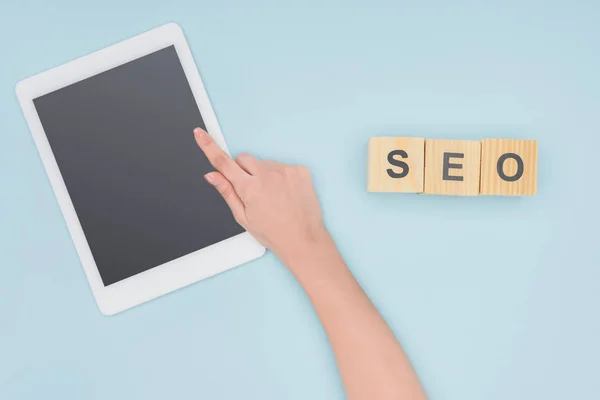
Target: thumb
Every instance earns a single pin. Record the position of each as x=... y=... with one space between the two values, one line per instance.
x=225 y=188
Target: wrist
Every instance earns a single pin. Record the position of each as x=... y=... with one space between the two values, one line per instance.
x=313 y=256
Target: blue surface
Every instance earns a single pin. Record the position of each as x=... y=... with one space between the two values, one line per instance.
x=493 y=298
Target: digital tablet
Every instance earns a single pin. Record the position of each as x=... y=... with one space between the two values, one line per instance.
x=114 y=130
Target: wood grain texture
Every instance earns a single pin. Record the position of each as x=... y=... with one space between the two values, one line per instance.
x=491 y=181
x=382 y=180
x=467 y=169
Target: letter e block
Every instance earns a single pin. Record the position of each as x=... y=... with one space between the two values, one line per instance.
x=509 y=167
x=396 y=164
x=452 y=167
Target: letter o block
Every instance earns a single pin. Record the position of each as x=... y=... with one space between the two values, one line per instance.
x=509 y=167
x=396 y=164
x=452 y=167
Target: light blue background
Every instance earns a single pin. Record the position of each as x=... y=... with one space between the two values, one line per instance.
x=493 y=298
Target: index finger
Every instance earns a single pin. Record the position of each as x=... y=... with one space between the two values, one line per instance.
x=219 y=159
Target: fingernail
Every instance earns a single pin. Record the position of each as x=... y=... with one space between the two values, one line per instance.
x=197 y=131
x=210 y=178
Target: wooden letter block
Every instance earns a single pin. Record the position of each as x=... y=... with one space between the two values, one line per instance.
x=396 y=164
x=452 y=167
x=509 y=167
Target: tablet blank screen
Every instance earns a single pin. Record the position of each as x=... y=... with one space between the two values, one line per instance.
x=124 y=145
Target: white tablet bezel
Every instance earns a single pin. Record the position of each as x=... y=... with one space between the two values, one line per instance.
x=172 y=275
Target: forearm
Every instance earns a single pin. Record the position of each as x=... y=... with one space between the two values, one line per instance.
x=372 y=363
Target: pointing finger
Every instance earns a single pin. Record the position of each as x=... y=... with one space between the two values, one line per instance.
x=219 y=159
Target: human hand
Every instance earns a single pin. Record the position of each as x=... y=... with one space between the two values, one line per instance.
x=275 y=202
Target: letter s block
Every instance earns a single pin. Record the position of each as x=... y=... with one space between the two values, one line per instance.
x=396 y=164
x=452 y=167
x=509 y=167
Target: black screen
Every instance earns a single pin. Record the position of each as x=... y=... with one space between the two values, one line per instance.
x=125 y=148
